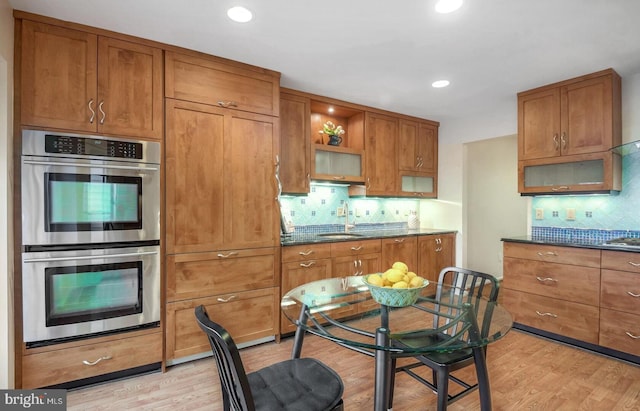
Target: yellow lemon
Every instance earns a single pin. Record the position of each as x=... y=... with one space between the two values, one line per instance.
x=411 y=274
x=400 y=284
x=400 y=266
x=416 y=282
x=394 y=275
x=375 y=279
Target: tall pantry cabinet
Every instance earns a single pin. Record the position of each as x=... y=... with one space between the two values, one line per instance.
x=222 y=220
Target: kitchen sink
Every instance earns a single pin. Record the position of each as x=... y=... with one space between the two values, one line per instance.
x=339 y=235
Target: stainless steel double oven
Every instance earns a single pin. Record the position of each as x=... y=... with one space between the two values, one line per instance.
x=90 y=235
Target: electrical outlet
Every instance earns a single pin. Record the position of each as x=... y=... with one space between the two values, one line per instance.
x=340 y=212
x=571 y=214
x=358 y=212
x=539 y=213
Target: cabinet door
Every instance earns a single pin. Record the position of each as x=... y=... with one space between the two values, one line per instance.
x=369 y=263
x=195 y=188
x=402 y=249
x=417 y=146
x=345 y=266
x=251 y=146
x=58 y=77
x=435 y=252
x=295 y=144
x=587 y=119
x=539 y=124
x=297 y=273
x=129 y=88
x=381 y=160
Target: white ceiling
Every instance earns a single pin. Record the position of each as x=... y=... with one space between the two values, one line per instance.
x=386 y=54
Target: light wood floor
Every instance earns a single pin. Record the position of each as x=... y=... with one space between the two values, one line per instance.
x=526 y=373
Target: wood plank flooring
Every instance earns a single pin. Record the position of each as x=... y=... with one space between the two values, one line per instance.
x=526 y=373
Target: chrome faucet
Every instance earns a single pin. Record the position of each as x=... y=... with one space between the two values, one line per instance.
x=347 y=226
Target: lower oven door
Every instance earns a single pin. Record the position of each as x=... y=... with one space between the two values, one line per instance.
x=70 y=294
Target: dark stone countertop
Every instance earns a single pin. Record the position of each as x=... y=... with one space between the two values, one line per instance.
x=315 y=238
x=579 y=243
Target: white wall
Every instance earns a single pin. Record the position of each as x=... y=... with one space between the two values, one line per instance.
x=6 y=178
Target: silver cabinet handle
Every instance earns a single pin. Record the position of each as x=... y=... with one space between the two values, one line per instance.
x=277 y=175
x=230 y=254
x=547 y=254
x=339 y=177
x=399 y=240
x=545 y=279
x=227 y=104
x=633 y=294
x=305 y=253
x=563 y=139
x=438 y=249
x=560 y=188
x=88 y=257
x=368 y=185
x=307 y=265
x=358 y=248
x=360 y=265
x=634 y=264
x=225 y=300
x=106 y=357
x=87 y=165
x=93 y=112
x=546 y=314
x=104 y=115
x=635 y=337
x=555 y=140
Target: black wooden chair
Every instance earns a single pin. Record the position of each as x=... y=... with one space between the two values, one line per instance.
x=474 y=284
x=301 y=384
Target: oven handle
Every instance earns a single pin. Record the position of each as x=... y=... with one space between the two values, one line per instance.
x=55 y=163
x=88 y=257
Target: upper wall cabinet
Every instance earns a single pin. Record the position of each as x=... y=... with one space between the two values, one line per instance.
x=381 y=149
x=79 y=81
x=418 y=158
x=295 y=144
x=569 y=128
x=223 y=83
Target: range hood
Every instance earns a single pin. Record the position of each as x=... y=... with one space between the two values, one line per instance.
x=627 y=148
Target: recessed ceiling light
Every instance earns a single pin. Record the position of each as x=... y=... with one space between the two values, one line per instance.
x=239 y=14
x=447 y=6
x=440 y=83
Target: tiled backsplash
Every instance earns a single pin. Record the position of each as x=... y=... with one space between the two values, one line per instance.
x=320 y=208
x=596 y=216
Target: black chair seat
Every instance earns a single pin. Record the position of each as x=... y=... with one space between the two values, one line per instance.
x=303 y=384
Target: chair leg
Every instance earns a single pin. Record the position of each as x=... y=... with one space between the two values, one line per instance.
x=442 y=383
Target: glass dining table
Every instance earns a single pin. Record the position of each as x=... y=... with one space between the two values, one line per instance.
x=343 y=311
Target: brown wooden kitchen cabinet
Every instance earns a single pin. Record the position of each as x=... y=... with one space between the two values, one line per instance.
x=555 y=289
x=435 y=252
x=381 y=148
x=300 y=265
x=620 y=301
x=418 y=159
x=295 y=143
x=80 y=81
x=220 y=179
x=402 y=249
x=565 y=132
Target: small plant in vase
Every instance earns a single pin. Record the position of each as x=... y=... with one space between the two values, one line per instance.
x=334 y=132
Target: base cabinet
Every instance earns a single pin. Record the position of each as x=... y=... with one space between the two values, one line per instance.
x=63 y=363
x=435 y=252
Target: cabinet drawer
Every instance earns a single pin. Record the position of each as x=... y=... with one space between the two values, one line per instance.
x=620 y=291
x=355 y=247
x=554 y=254
x=622 y=261
x=58 y=366
x=306 y=252
x=247 y=316
x=620 y=331
x=562 y=281
x=205 y=274
x=212 y=81
x=566 y=318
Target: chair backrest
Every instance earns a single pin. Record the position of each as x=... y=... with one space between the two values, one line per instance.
x=459 y=285
x=236 y=391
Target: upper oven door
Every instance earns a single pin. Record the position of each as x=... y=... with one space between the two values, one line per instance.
x=80 y=201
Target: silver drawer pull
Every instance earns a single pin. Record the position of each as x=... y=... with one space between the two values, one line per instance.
x=305 y=253
x=106 y=357
x=635 y=337
x=560 y=188
x=231 y=254
x=634 y=264
x=339 y=177
x=358 y=248
x=545 y=279
x=226 y=300
x=307 y=265
x=546 y=314
x=399 y=240
x=633 y=294
x=547 y=253
x=227 y=104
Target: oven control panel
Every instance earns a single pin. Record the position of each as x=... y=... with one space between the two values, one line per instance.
x=92 y=147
